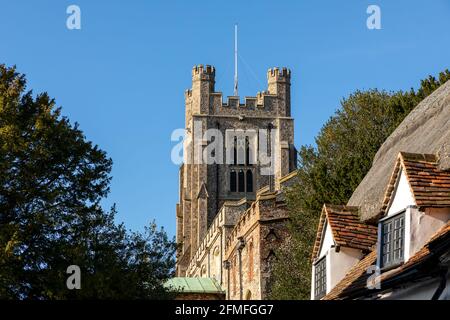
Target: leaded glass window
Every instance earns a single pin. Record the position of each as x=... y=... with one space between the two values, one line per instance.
x=320 y=279
x=392 y=240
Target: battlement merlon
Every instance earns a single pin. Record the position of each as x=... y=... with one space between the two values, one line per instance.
x=279 y=75
x=207 y=73
x=203 y=99
x=205 y=70
x=279 y=84
x=204 y=73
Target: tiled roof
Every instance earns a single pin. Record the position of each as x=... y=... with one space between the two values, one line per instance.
x=430 y=188
x=347 y=229
x=429 y=185
x=356 y=278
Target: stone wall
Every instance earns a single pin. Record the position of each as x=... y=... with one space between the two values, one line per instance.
x=239 y=247
x=251 y=246
x=204 y=189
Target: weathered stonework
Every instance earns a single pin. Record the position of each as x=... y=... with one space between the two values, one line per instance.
x=250 y=248
x=239 y=248
x=225 y=234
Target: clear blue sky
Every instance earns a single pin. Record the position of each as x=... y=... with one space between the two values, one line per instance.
x=123 y=75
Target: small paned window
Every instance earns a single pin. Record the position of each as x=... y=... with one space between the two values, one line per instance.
x=320 y=279
x=392 y=241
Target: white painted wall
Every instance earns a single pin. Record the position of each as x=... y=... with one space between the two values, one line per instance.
x=407 y=243
x=327 y=240
x=326 y=243
x=402 y=196
x=337 y=263
x=340 y=263
x=419 y=226
x=423 y=225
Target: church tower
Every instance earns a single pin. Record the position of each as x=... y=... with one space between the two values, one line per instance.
x=254 y=148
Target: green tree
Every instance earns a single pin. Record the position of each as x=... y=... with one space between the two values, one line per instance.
x=330 y=171
x=52 y=181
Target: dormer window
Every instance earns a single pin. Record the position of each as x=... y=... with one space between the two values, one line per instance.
x=392 y=241
x=320 y=279
x=340 y=241
x=414 y=213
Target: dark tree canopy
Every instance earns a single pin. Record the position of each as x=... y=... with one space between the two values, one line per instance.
x=330 y=171
x=52 y=181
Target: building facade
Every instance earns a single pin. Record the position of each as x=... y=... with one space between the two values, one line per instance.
x=391 y=241
x=403 y=254
x=237 y=158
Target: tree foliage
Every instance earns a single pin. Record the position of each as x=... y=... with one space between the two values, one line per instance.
x=52 y=181
x=331 y=170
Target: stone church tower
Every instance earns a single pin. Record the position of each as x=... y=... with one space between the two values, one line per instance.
x=206 y=188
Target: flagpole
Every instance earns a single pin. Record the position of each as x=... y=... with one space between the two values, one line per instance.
x=235 y=60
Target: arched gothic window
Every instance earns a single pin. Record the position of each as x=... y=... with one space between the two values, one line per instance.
x=249 y=180
x=241 y=181
x=233 y=182
x=235 y=155
x=247 y=152
x=241 y=174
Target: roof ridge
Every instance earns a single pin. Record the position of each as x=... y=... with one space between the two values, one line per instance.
x=330 y=205
x=425 y=180
x=419 y=157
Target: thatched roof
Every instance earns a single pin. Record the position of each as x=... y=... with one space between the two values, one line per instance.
x=425 y=130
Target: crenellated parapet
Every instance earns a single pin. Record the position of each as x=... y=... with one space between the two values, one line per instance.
x=213 y=233
x=279 y=75
x=226 y=217
x=204 y=100
x=204 y=72
x=263 y=104
x=269 y=206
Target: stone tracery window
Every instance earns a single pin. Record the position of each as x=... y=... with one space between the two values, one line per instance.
x=233 y=181
x=247 y=151
x=235 y=153
x=249 y=181
x=241 y=174
x=241 y=181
